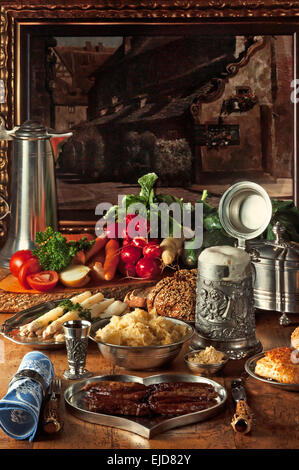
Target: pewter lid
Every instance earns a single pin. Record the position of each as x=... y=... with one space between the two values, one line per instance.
x=278 y=249
x=245 y=210
x=31 y=130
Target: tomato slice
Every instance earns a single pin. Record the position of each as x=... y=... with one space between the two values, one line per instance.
x=17 y=260
x=31 y=266
x=43 y=281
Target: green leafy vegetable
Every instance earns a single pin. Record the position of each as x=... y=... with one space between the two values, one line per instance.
x=147 y=183
x=288 y=215
x=69 y=306
x=54 y=252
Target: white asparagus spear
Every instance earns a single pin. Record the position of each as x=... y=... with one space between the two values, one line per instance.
x=94 y=299
x=117 y=308
x=24 y=330
x=97 y=309
x=59 y=337
x=68 y=316
x=53 y=314
x=55 y=326
x=40 y=332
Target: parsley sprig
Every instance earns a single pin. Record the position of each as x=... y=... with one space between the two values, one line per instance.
x=68 y=306
x=53 y=250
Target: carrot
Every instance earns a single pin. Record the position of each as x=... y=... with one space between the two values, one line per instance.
x=80 y=258
x=77 y=236
x=96 y=247
x=111 y=259
x=97 y=258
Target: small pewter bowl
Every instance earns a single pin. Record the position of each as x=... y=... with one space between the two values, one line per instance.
x=204 y=369
x=140 y=357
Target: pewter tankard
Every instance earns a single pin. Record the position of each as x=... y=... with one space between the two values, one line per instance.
x=33 y=205
x=225 y=313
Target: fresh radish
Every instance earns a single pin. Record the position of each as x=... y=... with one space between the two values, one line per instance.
x=130 y=254
x=143 y=227
x=126 y=269
x=125 y=235
x=139 y=242
x=148 y=268
x=139 y=227
x=130 y=270
x=154 y=241
x=151 y=250
x=114 y=230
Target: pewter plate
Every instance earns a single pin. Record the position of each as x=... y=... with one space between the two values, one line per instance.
x=144 y=426
x=250 y=367
x=10 y=328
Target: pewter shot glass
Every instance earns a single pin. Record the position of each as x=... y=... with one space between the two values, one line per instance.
x=76 y=337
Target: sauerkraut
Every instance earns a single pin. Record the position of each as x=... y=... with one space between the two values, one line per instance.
x=141 y=328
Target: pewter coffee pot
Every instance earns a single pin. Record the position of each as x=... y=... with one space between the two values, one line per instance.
x=33 y=205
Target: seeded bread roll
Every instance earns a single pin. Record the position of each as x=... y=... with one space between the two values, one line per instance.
x=175 y=296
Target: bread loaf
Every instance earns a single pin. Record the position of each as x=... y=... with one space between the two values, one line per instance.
x=277 y=365
x=175 y=296
x=137 y=298
x=295 y=338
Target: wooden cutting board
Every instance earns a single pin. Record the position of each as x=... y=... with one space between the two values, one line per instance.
x=14 y=298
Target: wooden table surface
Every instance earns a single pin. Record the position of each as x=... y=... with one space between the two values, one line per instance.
x=276 y=412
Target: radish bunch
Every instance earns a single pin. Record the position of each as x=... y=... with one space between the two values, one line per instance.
x=140 y=256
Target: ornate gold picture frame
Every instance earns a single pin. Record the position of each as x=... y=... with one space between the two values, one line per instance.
x=246 y=17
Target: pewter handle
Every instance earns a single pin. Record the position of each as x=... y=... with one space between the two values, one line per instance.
x=7 y=211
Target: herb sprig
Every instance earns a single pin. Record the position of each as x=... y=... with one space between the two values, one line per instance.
x=53 y=250
x=69 y=306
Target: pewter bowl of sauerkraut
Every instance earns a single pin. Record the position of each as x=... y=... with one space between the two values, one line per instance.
x=140 y=340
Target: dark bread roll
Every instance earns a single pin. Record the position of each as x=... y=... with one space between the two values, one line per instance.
x=175 y=296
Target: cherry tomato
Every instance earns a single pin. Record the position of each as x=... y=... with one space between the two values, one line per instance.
x=151 y=250
x=148 y=268
x=17 y=260
x=130 y=254
x=31 y=266
x=43 y=281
